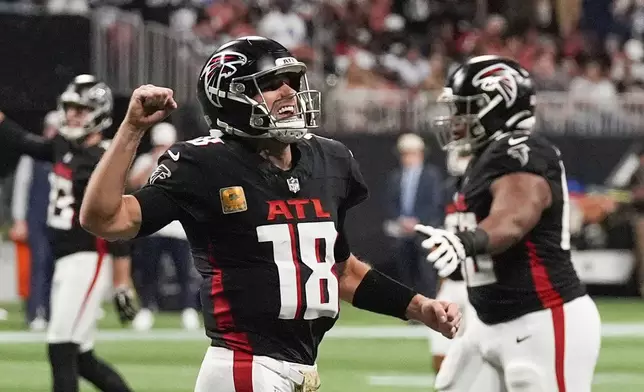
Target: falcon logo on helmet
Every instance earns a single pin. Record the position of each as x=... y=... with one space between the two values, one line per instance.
x=485 y=97
x=499 y=78
x=220 y=66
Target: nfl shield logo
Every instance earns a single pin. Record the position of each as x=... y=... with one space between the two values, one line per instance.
x=293 y=184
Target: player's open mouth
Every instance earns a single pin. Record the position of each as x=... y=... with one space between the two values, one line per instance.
x=285 y=112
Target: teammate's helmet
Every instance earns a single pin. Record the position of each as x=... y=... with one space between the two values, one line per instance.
x=486 y=96
x=237 y=72
x=86 y=91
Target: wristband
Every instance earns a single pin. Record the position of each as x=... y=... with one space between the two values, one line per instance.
x=379 y=293
x=475 y=242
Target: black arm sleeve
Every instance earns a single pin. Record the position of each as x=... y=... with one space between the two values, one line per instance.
x=157 y=210
x=16 y=138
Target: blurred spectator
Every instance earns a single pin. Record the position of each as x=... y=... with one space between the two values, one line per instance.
x=491 y=40
x=283 y=25
x=547 y=74
x=437 y=73
x=593 y=84
x=29 y=211
x=79 y=7
x=170 y=239
x=415 y=196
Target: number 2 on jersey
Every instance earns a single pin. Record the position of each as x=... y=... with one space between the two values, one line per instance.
x=320 y=297
x=61 y=198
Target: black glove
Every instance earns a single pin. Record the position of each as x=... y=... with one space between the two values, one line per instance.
x=125 y=304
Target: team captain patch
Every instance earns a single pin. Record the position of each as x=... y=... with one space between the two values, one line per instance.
x=233 y=199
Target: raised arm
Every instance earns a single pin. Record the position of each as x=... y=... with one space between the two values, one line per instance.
x=14 y=137
x=106 y=211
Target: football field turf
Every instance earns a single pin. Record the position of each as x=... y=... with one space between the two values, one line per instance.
x=362 y=353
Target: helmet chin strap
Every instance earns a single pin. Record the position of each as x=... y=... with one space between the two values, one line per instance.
x=72 y=133
x=288 y=136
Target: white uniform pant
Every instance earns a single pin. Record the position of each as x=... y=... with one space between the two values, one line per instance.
x=80 y=283
x=223 y=370
x=455 y=292
x=552 y=350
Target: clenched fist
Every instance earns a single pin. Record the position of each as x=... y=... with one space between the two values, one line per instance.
x=440 y=316
x=148 y=106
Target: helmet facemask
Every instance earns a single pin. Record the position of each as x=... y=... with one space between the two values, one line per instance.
x=289 y=118
x=459 y=123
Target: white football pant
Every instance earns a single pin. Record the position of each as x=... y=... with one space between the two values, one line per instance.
x=551 y=350
x=80 y=283
x=456 y=292
x=223 y=370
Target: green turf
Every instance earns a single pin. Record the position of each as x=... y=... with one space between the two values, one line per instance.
x=346 y=365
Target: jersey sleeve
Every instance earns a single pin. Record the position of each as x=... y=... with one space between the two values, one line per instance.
x=517 y=154
x=179 y=177
x=357 y=192
x=18 y=139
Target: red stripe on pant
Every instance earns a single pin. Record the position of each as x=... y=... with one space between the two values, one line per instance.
x=101 y=249
x=243 y=371
x=559 y=328
x=550 y=299
x=236 y=341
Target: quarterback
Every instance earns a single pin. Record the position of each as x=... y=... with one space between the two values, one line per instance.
x=263 y=203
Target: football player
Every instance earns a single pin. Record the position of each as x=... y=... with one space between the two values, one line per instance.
x=539 y=329
x=454 y=289
x=83 y=269
x=263 y=203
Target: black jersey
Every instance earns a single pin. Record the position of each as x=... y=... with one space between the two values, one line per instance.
x=265 y=240
x=73 y=166
x=536 y=273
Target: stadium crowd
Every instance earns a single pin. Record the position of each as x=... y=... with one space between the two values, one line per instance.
x=590 y=48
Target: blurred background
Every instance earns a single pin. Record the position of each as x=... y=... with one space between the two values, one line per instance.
x=380 y=65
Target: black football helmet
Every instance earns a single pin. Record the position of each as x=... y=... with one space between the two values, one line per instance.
x=483 y=98
x=239 y=71
x=87 y=91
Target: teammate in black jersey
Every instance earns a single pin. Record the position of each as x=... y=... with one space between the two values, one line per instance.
x=263 y=204
x=540 y=329
x=83 y=264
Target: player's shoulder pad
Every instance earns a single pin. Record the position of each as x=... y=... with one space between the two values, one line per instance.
x=185 y=161
x=330 y=146
x=521 y=150
x=196 y=149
